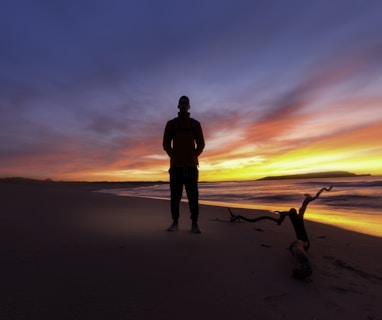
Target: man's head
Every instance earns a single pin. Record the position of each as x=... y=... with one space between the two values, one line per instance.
x=184 y=104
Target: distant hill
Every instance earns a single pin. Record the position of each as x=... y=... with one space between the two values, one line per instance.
x=315 y=175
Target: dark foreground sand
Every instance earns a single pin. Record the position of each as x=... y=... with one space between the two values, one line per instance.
x=70 y=253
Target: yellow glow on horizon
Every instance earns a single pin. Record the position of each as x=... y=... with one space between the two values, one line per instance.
x=297 y=161
x=277 y=146
x=294 y=162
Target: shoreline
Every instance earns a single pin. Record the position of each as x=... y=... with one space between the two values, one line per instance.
x=69 y=253
x=338 y=217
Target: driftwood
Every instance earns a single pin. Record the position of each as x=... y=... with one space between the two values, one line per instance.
x=300 y=246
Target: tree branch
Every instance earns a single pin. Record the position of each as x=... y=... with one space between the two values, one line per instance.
x=238 y=218
x=309 y=198
x=297 y=219
x=298 y=247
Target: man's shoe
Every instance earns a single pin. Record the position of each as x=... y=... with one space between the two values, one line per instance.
x=195 y=228
x=173 y=227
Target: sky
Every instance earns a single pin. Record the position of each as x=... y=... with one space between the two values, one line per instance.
x=279 y=87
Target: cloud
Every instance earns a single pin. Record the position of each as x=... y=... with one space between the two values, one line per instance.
x=88 y=86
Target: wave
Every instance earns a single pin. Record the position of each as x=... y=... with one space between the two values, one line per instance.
x=357 y=194
x=344 y=184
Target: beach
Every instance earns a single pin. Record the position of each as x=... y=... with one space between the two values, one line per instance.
x=68 y=252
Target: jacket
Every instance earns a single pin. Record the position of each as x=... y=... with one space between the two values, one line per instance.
x=183 y=141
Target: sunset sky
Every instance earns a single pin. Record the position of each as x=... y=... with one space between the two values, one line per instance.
x=280 y=87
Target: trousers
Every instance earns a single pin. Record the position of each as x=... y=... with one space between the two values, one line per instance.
x=187 y=177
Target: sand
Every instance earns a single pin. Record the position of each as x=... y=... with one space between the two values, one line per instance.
x=70 y=253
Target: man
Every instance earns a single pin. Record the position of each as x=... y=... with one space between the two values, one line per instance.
x=183 y=141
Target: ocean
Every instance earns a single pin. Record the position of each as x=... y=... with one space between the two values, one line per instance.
x=354 y=203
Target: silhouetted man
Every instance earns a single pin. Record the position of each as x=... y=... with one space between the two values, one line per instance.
x=183 y=141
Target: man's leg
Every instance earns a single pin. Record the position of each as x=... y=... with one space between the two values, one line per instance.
x=191 y=184
x=176 y=188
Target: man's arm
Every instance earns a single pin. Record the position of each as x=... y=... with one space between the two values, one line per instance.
x=199 y=139
x=167 y=137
